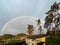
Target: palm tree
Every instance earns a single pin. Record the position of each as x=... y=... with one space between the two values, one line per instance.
x=39 y=26
x=55 y=8
x=38 y=22
x=51 y=18
x=48 y=21
x=30 y=29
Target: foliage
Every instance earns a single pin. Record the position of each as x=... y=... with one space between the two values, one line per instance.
x=30 y=29
x=38 y=22
x=50 y=16
x=10 y=39
x=53 y=16
x=39 y=26
x=21 y=35
x=7 y=36
x=52 y=41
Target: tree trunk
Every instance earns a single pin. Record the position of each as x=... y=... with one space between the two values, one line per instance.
x=55 y=25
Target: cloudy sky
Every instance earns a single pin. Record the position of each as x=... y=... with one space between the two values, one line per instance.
x=14 y=8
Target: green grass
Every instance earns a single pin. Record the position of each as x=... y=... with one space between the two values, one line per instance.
x=52 y=41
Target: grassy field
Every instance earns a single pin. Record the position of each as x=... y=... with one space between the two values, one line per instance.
x=53 y=41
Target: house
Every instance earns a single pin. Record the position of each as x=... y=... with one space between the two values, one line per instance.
x=20 y=42
x=36 y=40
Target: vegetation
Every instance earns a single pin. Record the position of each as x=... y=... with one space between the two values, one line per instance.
x=30 y=29
x=53 y=40
x=53 y=33
x=52 y=17
x=10 y=39
x=39 y=26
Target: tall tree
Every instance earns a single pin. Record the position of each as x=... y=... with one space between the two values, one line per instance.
x=48 y=21
x=39 y=26
x=51 y=17
x=30 y=29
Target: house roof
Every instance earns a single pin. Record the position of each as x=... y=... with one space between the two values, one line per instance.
x=19 y=41
x=36 y=36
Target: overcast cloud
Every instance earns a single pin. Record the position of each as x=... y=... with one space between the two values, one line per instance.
x=14 y=8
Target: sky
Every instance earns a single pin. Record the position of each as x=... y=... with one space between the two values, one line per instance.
x=19 y=25
x=15 y=8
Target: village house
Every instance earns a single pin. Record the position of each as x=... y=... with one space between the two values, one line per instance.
x=36 y=40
